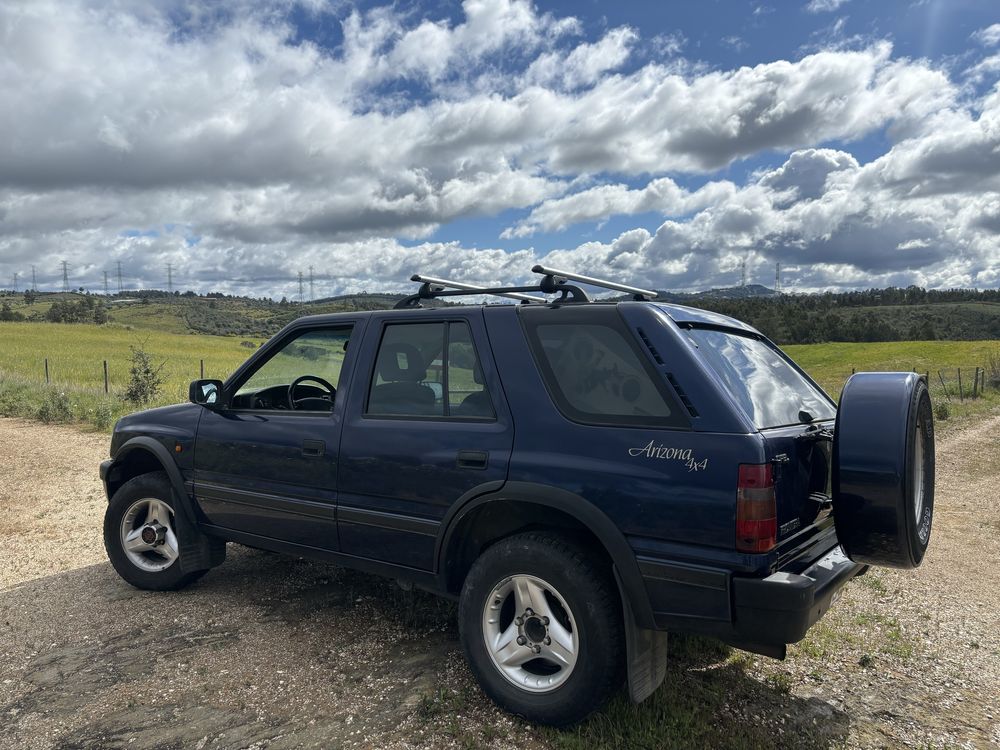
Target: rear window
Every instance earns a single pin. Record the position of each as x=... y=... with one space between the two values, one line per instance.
x=595 y=373
x=764 y=383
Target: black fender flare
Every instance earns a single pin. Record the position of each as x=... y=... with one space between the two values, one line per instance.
x=151 y=445
x=588 y=514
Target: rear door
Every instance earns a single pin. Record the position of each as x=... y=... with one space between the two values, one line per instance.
x=794 y=416
x=426 y=424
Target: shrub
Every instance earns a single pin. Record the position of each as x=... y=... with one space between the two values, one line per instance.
x=941 y=411
x=55 y=407
x=145 y=380
x=104 y=415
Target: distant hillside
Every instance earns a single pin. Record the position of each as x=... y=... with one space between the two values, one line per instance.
x=872 y=315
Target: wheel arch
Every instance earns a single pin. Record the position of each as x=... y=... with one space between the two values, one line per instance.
x=483 y=520
x=144 y=455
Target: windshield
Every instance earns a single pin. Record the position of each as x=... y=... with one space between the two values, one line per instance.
x=770 y=390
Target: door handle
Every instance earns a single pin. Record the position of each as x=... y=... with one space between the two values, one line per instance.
x=472 y=459
x=313 y=448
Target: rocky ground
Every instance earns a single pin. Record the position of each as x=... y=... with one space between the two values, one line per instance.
x=274 y=652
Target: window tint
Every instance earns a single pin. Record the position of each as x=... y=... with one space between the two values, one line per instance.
x=428 y=370
x=596 y=374
x=769 y=389
x=317 y=353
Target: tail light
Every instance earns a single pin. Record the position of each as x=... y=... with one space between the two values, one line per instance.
x=756 y=510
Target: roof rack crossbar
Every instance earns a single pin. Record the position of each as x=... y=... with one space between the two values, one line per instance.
x=448 y=284
x=557 y=276
x=431 y=288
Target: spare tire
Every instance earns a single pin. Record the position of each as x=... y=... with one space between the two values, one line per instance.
x=883 y=469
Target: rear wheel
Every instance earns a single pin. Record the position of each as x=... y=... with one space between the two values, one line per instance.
x=140 y=535
x=541 y=628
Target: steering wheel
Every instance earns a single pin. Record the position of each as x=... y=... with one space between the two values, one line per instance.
x=295 y=383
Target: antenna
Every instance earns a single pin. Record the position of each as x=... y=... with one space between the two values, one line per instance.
x=312 y=294
x=777 y=278
x=300 y=288
x=65 y=266
x=553 y=273
x=119 y=277
x=743 y=272
x=472 y=288
x=106 y=293
x=34 y=282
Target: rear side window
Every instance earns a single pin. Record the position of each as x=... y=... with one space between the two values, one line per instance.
x=765 y=384
x=428 y=370
x=596 y=373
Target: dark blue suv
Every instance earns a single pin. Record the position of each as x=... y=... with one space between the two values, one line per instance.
x=582 y=476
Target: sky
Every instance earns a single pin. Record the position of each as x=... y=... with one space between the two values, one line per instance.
x=855 y=142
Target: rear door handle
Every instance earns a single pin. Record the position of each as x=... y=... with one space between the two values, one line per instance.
x=313 y=448
x=472 y=459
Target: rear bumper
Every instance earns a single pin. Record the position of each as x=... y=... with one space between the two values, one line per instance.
x=760 y=614
x=780 y=609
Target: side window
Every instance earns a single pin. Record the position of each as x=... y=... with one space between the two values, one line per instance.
x=428 y=370
x=596 y=375
x=315 y=357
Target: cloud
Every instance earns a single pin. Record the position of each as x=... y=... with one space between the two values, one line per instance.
x=988 y=36
x=277 y=153
x=824 y=6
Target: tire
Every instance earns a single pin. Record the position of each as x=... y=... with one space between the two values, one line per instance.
x=575 y=619
x=145 y=505
x=883 y=479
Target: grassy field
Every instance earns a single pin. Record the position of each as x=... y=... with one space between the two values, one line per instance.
x=76 y=354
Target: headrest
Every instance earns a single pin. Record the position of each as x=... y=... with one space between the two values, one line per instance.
x=401 y=362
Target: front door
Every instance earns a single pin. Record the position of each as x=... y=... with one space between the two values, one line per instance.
x=425 y=425
x=266 y=463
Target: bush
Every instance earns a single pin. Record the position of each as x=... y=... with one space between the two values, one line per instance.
x=104 y=415
x=145 y=380
x=941 y=411
x=55 y=407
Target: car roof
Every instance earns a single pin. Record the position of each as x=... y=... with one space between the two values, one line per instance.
x=680 y=314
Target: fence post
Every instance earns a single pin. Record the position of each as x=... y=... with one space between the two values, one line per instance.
x=105 y=376
x=944 y=386
x=46 y=371
x=961 y=398
x=202 y=369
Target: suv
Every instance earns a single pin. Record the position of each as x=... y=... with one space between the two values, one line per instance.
x=581 y=476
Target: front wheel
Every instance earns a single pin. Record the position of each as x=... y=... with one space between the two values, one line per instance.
x=140 y=535
x=541 y=627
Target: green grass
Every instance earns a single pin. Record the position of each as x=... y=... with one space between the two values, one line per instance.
x=830 y=365
x=76 y=353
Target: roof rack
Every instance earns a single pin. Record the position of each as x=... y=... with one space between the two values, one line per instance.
x=556 y=278
x=432 y=288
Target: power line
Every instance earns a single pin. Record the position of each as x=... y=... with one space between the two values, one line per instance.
x=16 y=274
x=65 y=266
x=777 y=278
x=170 y=278
x=106 y=293
x=743 y=272
x=300 y=288
x=34 y=282
x=312 y=294
x=119 y=277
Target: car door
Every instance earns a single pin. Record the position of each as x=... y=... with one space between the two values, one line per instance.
x=426 y=425
x=265 y=467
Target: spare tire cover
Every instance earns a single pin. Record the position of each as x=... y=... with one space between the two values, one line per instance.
x=883 y=469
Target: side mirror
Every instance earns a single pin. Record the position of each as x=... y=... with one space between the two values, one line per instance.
x=205 y=392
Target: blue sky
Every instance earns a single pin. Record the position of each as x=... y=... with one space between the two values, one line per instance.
x=855 y=142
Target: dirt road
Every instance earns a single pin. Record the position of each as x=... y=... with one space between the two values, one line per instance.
x=274 y=652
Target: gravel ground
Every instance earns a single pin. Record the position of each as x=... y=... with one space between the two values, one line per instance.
x=274 y=652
